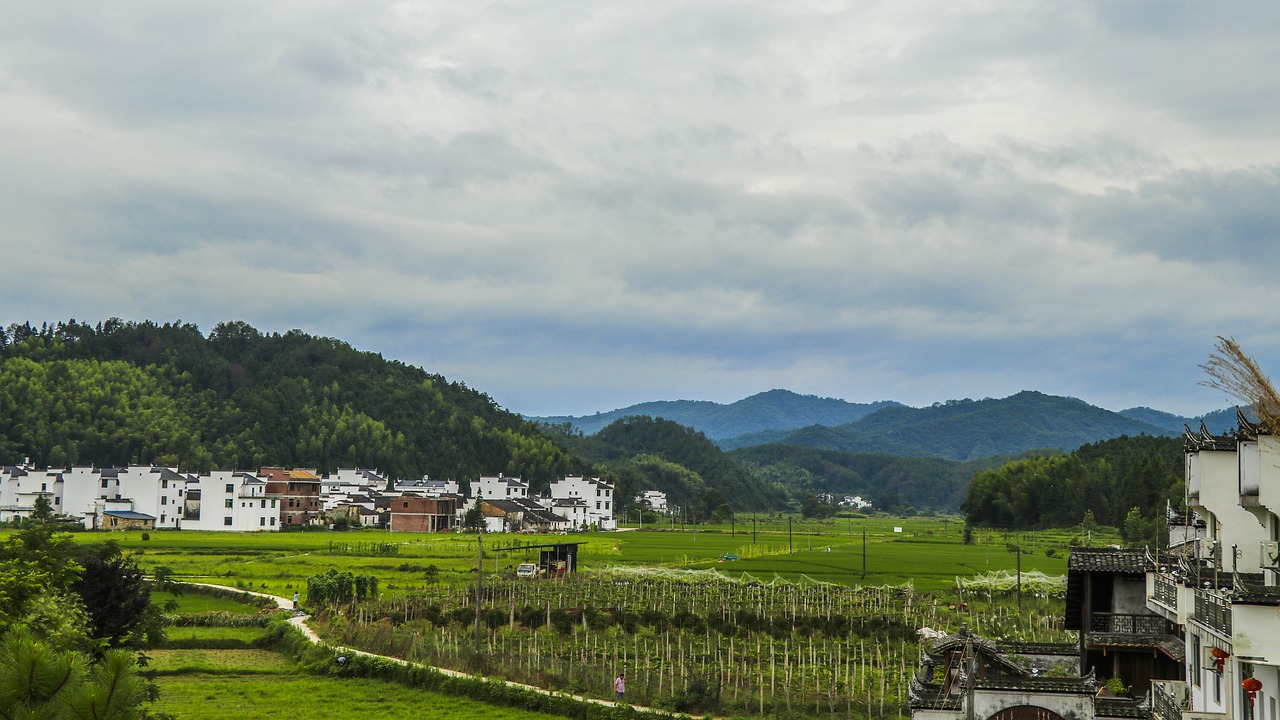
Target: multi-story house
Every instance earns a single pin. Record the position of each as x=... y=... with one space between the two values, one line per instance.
x=596 y=493
x=1223 y=590
x=20 y=485
x=499 y=488
x=417 y=513
x=298 y=492
x=229 y=501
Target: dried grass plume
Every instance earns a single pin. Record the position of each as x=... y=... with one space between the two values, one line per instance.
x=1235 y=373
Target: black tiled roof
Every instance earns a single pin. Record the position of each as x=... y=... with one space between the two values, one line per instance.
x=1111 y=560
x=1167 y=644
x=1114 y=707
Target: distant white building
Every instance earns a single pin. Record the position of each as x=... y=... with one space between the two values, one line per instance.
x=653 y=499
x=229 y=501
x=499 y=488
x=20 y=485
x=596 y=493
x=427 y=486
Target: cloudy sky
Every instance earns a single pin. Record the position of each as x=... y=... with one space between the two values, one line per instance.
x=575 y=206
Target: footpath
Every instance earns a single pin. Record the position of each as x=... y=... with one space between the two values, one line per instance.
x=299 y=620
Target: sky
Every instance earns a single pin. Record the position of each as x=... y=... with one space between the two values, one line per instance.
x=577 y=206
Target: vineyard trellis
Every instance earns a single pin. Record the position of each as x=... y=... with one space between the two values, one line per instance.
x=697 y=641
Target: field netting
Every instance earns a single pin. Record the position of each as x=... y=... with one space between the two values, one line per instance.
x=1033 y=582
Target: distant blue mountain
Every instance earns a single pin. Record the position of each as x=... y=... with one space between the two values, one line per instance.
x=775 y=411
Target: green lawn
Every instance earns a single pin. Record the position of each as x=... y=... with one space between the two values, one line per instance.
x=192 y=602
x=236 y=684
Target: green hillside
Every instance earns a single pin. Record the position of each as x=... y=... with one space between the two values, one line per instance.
x=892 y=483
x=123 y=392
x=970 y=429
x=642 y=453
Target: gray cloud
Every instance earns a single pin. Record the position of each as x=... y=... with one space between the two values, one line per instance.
x=575 y=206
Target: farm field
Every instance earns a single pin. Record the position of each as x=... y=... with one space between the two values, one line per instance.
x=769 y=616
x=928 y=552
x=224 y=684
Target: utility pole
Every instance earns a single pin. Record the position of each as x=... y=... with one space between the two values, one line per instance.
x=1019 y=579
x=753 y=530
x=790 y=547
x=479 y=585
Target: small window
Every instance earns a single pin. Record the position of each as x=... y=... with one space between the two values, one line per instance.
x=44 y=487
x=273 y=522
x=231 y=488
x=164 y=499
x=57 y=501
x=262 y=522
x=406 y=503
x=104 y=482
x=164 y=484
x=226 y=521
x=273 y=503
x=264 y=503
x=228 y=503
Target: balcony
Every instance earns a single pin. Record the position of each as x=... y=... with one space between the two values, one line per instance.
x=1211 y=610
x=1168 y=699
x=1165 y=592
x=1130 y=624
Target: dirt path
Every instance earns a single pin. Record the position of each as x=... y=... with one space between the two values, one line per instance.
x=299 y=620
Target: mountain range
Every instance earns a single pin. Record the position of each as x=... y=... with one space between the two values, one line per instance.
x=956 y=429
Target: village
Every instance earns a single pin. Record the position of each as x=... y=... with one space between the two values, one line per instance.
x=274 y=498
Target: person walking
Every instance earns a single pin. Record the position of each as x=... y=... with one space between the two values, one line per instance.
x=295 y=601
x=619 y=687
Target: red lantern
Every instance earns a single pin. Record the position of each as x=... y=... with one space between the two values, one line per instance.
x=1251 y=687
x=1219 y=657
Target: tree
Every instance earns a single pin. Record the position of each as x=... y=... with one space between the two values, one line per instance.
x=39 y=681
x=473 y=520
x=117 y=596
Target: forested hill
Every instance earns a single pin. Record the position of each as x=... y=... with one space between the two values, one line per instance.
x=124 y=392
x=643 y=453
x=894 y=484
x=969 y=429
x=776 y=410
x=1127 y=482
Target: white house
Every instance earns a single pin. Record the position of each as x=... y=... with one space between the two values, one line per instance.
x=596 y=493
x=228 y=500
x=653 y=499
x=499 y=488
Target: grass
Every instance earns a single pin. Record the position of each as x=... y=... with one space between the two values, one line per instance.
x=190 y=636
x=191 y=602
x=222 y=684
x=927 y=551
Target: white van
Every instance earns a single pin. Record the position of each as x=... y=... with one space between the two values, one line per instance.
x=527 y=570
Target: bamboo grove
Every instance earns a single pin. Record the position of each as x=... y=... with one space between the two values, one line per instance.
x=694 y=642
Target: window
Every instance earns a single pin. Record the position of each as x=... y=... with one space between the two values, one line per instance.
x=262 y=522
x=273 y=522
x=226 y=521
x=228 y=503
x=164 y=484
x=104 y=482
x=230 y=488
x=1195 y=660
x=164 y=499
x=264 y=503
x=273 y=503
x=44 y=487
x=57 y=501
x=406 y=503
x=606 y=504
x=597 y=504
